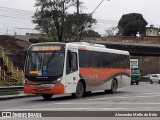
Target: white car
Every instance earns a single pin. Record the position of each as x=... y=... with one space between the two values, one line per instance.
x=155 y=78
x=147 y=76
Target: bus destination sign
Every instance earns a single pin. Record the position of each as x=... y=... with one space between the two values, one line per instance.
x=46 y=48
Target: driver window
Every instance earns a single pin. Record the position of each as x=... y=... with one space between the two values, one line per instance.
x=71 y=65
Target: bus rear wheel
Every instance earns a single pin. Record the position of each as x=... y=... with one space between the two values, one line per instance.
x=151 y=82
x=47 y=96
x=79 y=90
x=114 y=87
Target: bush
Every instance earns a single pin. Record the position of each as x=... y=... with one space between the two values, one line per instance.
x=44 y=39
x=33 y=40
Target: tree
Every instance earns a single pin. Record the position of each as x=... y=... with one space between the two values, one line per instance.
x=84 y=24
x=111 y=31
x=131 y=24
x=53 y=19
x=50 y=17
x=91 y=33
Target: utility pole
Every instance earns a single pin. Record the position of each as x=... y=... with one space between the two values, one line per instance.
x=7 y=31
x=77 y=34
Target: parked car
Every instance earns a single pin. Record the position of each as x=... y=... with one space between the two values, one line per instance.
x=147 y=76
x=155 y=78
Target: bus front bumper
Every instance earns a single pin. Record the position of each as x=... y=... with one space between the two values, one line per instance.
x=42 y=89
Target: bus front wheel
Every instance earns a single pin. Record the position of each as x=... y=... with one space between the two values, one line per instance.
x=47 y=96
x=79 y=90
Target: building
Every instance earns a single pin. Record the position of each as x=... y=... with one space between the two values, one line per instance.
x=152 y=31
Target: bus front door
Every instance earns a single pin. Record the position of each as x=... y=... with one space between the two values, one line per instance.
x=72 y=74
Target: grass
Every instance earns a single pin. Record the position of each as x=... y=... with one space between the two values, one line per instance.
x=7 y=92
x=1 y=84
x=23 y=44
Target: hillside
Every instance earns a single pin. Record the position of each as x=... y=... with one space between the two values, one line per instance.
x=15 y=49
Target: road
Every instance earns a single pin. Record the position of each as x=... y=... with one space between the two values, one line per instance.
x=142 y=97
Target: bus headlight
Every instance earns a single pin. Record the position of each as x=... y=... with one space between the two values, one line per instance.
x=26 y=81
x=58 y=81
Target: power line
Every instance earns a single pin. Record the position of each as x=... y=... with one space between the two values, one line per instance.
x=13 y=9
x=15 y=1
x=14 y=17
x=92 y=13
x=16 y=14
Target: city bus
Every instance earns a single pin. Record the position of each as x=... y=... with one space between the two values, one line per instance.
x=76 y=68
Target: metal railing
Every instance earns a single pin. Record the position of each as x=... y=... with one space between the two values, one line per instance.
x=131 y=39
x=11 y=88
x=16 y=76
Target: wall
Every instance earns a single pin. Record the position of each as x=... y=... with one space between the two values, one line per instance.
x=148 y=64
x=151 y=32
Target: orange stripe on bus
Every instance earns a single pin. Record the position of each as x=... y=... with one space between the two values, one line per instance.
x=100 y=74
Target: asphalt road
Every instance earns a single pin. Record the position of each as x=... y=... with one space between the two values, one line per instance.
x=142 y=97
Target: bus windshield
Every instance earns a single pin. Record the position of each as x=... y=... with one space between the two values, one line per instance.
x=135 y=71
x=45 y=64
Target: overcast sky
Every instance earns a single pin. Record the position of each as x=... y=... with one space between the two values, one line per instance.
x=107 y=15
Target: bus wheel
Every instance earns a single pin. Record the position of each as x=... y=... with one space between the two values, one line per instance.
x=151 y=82
x=114 y=87
x=47 y=96
x=79 y=90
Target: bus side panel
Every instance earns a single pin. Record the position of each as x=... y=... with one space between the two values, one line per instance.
x=100 y=79
x=106 y=85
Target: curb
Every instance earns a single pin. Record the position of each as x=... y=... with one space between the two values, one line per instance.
x=9 y=97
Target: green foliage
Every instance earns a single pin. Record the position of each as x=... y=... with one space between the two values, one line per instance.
x=53 y=19
x=71 y=24
x=111 y=31
x=50 y=16
x=91 y=33
x=43 y=39
x=131 y=24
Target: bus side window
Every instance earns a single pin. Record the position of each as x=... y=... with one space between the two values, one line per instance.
x=71 y=65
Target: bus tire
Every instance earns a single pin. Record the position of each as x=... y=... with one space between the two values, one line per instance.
x=151 y=82
x=79 y=90
x=114 y=87
x=47 y=96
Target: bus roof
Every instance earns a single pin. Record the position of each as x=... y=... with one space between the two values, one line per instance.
x=96 y=47
x=87 y=46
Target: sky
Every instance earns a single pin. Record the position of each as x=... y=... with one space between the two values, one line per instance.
x=15 y=15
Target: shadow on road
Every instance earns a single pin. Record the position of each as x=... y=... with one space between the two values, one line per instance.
x=69 y=97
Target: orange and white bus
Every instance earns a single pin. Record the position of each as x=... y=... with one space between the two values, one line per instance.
x=77 y=68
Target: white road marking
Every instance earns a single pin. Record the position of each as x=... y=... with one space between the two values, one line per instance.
x=78 y=109
x=105 y=98
x=103 y=103
x=153 y=94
